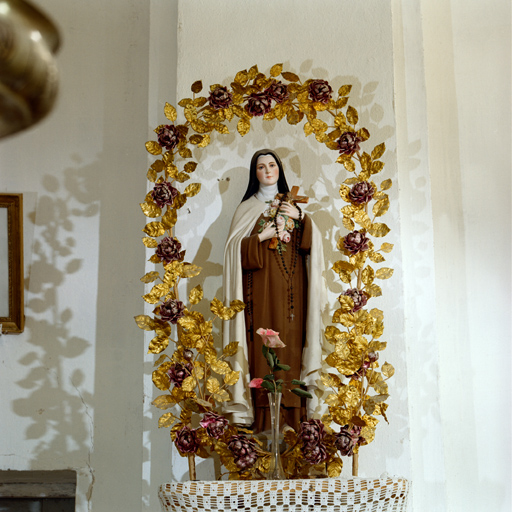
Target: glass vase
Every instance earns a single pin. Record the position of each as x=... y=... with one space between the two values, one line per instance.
x=276 y=471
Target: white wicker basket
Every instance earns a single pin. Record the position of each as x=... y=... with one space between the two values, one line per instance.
x=320 y=495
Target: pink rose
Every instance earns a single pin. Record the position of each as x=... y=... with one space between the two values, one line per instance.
x=285 y=237
x=270 y=338
x=255 y=383
x=280 y=220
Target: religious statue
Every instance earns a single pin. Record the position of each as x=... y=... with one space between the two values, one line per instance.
x=273 y=262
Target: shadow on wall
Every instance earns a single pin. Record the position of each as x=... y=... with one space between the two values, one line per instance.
x=61 y=421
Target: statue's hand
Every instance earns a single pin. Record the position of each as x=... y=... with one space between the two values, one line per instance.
x=269 y=232
x=290 y=210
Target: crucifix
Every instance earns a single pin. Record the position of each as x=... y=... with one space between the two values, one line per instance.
x=293 y=198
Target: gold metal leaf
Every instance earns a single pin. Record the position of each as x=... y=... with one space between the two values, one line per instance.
x=145 y=322
x=381 y=206
x=221 y=396
x=161 y=378
x=150 y=243
x=154 y=229
x=365 y=162
x=330 y=380
x=192 y=189
x=150 y=209
x=361 y=217
x=384 y=273
x=253 y=72
x=378 y=151
x=378 y=229
x=189 y=383
x=293 y=117
x=231 y=378
x=205 y=141
x=334 y=468
x=319 y=126
x=190 y=270
x=170 y=112
x=158 y=344
x=218 y=309
x=291 y=77
x=237 y=305
x=346 y=302
x=212 y=385
x=367 y=275
x=386 y=184
x=349 y=165
x=376 y=167
x=167 y=420
x=352 y=115
x=151 y=298
x=152 y=175
x=344 y=193
x=349 y=210
x=230 y=349
x=387 y=370
x=342 y=265
x=308 y=129
x=332 y=333
x=344 y=90
x=163 y=402
x=185 y=152
x=376 y=257
x=276 y=69
x=190 y=167
x=243 y=126
x=385 y=247
x=153 y=147
x=221 y=367
x=195 y=295
x=180 y=201
x=373 y=290
x=348 y=223
x=150 y=277
x=197 y=87
x=169 y=219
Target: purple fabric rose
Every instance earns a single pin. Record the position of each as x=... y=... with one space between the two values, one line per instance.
x=258 y=104
x=311 y=431
x=186 y=441
x=164 y=194
x=358 y=296
x=348 y=143
x=355 y=242
x=346 y=440
x=278 y=92
x=320 y=90
x=220 y=98
x=169 y=136
x=171 y=311
x=361 y=192
x=315 y=453
x=243 y=450
x=179 y=372
x=168 y=249
x=215 y=424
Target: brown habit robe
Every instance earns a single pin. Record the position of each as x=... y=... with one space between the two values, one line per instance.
x=266 y=293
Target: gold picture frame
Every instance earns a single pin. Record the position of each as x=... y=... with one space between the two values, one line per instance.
x=12 y=314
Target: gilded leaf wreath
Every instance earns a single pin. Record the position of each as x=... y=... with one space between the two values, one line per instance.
x=195 y=378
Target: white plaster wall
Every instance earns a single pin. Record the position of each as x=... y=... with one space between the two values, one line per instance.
x=71 y=384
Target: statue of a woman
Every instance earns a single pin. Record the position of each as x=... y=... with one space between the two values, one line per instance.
x=273 y=262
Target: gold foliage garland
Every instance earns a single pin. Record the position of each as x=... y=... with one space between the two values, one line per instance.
x=195 y=377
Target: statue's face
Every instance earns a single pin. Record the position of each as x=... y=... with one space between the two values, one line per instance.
x=267 y=170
